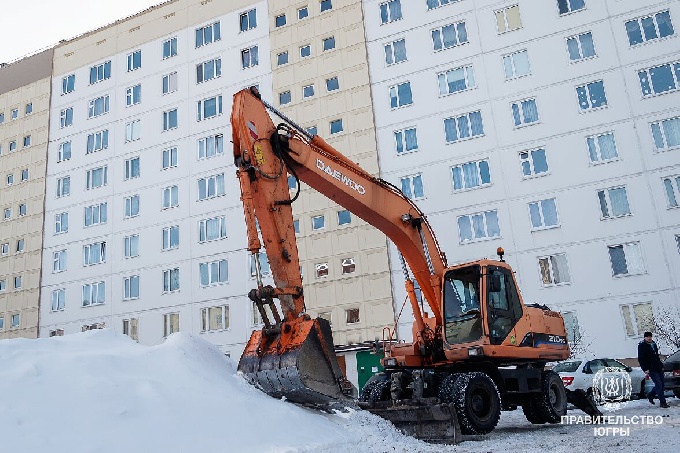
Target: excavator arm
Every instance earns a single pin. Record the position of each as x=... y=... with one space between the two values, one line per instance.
x=265 y=155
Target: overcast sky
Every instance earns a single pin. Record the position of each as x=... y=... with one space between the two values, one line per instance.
x=31 y=25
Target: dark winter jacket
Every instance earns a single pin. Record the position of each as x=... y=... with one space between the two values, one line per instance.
x=648 y=356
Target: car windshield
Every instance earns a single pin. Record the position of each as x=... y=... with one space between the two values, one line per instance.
x=567 y=367
x=675 y=357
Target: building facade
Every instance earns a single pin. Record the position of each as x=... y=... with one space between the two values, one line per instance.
x=144 y=230
x=24 y=121
x=144 y=223
x=321 y=80
x=550 y=129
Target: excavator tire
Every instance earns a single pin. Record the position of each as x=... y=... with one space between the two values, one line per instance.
x=379 y=391
x=367 y=391
x=531 y=412
x=447 y=386
x=551 y=404
x=477 y=402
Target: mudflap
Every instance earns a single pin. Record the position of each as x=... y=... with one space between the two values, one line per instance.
x=297 y=363
x=582 y=401
x=426 y=419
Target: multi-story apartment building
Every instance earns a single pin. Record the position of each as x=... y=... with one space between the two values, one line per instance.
x=548 y=128
x=144 y=228
x=24 y=112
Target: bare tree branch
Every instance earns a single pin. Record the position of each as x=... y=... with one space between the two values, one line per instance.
x=667 y=326
x=579 y=347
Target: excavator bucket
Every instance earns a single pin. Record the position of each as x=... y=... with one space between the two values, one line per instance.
x=298 y=363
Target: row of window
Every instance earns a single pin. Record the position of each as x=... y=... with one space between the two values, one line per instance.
x=638 y=30
x=637 y=319
x=601 y=147
x=625 y=259
x=209 y=146
x=208 y=187
x=210 y=273
x=327 y=43
x=205 y=109
x=9 y=177
x=308 y=91
x=20 y=247
x=12 y=146
x=14 y=113
x=302 y=13
x=213 y=319
x=590 y=96
x=17 y=280
x=7 y=215
x=612 y=202
x=204 y=35
x=15 y=321
x=210 y=229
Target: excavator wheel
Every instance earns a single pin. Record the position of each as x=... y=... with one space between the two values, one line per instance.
x=379 y=391
x=531 y=412
x=369 y=387
x=447 y=386
x=551 y=404
x=477 y=402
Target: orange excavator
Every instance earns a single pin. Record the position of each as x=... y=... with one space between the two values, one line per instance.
x=479 y=350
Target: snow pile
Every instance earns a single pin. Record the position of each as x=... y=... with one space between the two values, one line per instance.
x=100 y=391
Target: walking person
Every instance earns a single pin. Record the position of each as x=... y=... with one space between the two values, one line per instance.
x=650 y=362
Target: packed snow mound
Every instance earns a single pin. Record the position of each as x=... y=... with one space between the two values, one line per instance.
x=100 y=391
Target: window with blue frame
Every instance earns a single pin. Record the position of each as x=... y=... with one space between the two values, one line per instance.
x=448 y=36
x=471 y=175
x=406 y=140
x=648 y=28
x=581 y=47
x=463 y=127
x=591 y=95
x=524 y=112
x=660 y=79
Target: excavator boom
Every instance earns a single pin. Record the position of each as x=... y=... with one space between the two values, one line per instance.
x=265 y=156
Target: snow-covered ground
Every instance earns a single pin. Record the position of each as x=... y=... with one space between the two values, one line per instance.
x=101 y=392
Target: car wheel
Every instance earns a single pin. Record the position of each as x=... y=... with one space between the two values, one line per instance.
x=676 y=392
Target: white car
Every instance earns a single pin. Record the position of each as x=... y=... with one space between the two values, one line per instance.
x=579 y=373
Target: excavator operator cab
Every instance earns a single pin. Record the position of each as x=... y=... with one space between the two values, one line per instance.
x=463 y=301
x=462 y=305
